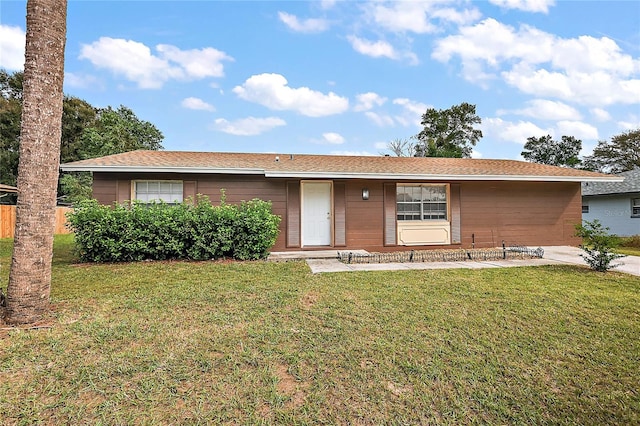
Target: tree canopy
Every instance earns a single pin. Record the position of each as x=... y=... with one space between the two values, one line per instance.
x=619 y=155
x=545 y=150
x=449 y=132
x=87 y=132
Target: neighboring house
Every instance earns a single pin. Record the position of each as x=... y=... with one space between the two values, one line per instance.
x=357 y=202
x=615 y=204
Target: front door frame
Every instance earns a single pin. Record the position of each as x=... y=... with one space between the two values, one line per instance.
x=302 y=211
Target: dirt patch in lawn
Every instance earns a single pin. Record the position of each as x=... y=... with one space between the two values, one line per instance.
x=289 y=386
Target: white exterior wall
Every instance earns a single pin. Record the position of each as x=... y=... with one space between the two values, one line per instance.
x=613 y=212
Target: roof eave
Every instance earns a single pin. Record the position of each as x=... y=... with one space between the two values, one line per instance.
x=331 y=175
x=448 y=177
x=160 y=169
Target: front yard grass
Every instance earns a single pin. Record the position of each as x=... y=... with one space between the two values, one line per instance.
x=269 y=343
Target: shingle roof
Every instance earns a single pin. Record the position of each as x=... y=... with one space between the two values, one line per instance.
x=331 y=166
x=631 y=183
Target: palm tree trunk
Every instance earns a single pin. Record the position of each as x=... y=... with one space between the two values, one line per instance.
x=40 y=134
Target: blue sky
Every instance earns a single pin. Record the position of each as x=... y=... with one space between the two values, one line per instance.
x=347 y=77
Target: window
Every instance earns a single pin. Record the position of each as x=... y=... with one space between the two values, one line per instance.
x=585 y=208
x=635 y=207
x=421 y=202
x=164 y=190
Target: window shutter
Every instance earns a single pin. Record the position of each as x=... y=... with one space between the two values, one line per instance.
x=339 y=214
x=389 y=214
x=293 y=214
x=455 y=213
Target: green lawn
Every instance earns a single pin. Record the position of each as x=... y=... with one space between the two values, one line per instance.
x=629 y=251
x=269 y=343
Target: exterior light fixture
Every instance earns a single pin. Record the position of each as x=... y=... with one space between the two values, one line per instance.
x=365 y=193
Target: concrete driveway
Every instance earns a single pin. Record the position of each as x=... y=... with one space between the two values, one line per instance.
x=568 y=254
x=552 y=256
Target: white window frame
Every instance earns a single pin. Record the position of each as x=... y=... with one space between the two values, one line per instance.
x=170 y=195
x=424 y=202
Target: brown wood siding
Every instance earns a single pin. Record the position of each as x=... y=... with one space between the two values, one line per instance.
x=364 y=217
x=124 y=191
x=105 y=187
x=339 y=214
x=454 y=206
x=390 y=229
x=189 y=190
x=293 y=214
x=526 y=213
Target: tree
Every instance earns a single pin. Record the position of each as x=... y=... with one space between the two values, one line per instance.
x=87 y=132
x=598 y=245
x=449 y=132
x=545 y=150
x=10 y=111
x=77 y=116
x=619 y=155
x=111 y=132
x=402 y=147
x=40 y=133
x=117 y=131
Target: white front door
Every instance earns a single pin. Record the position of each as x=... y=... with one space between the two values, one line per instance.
x=316 y=213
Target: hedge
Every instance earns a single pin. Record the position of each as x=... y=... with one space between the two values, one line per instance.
x=158 y=231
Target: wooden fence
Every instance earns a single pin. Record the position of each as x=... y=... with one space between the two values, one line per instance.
x=8 y=221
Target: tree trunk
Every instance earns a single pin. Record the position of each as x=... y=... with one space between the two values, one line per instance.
x=40 y=134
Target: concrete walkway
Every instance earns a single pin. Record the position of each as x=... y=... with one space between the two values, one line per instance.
x=326 y=261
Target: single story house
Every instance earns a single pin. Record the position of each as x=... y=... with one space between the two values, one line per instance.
x=359 y=202
x=615 y=204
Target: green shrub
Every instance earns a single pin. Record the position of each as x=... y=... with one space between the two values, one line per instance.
x=191 y=230
x=598 y=245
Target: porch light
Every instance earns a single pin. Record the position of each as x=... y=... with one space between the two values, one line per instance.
x=365 y=193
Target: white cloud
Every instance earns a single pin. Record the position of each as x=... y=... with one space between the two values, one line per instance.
x=327 y=4
x=196 y=63
x=584 y=69
x=305 y=26
x=597 y=89
x=600 y=114
x=632 y=123
x=333 y=138
x=12 y=42
x=496 y=128
x=272 y=91
x=541 y=6
x=375 y=49
x=412 y=111
x=249 y=126
x=577 y=129
x=197 y=104
x=381 y=49
x=417 y=16
x=369 y=100
x=137 y=63
x=380 y=120
x=548 y=110
x=82 y=81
